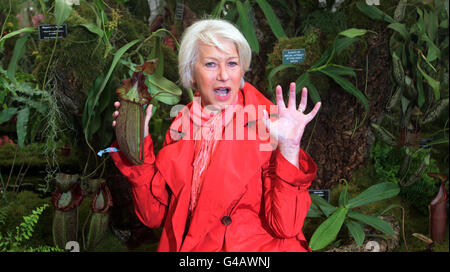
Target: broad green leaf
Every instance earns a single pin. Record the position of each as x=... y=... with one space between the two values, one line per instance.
x=217 y=11
x=340 y=70
x=433 y=52
x=158 y=54
x=6 y=114
x=91 y=104
x=247 y=27
x=340 y=44
x=322 y=204
x=19 y=51
x=17 y=32
x=62 y=11
x=374 y=193
x=435 y=85
x=328 y=230
x=94 y=29
x=167 y=98
x=439 y=141
x=163 y=89
x=272 y=19
x=356 y=230
x=431 y=24
x=372 y=221
x=323 y=58
x=163 y=84
x=22 y=125
x=314 y=211
x=96 y=122
x=349 y=87
x=401 y=29
x=304 y=81
x=353 y=32
x=373 y=12
x=274 y=71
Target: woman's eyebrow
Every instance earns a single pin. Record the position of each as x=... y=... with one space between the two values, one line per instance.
x=216 y=59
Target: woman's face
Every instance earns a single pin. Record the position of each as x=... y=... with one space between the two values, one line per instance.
x=217 y=74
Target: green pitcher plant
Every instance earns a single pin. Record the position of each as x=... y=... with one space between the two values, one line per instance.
x=344 y=214
x=134 y=94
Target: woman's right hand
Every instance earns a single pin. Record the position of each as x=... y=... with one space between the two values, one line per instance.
x=148 y=116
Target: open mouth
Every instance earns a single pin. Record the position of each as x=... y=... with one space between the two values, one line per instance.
x=222 y=92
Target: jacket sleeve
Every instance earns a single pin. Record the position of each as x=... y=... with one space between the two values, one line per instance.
x=149 y=190
x=286 y=197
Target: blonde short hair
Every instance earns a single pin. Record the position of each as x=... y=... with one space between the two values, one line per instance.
x=209 y=31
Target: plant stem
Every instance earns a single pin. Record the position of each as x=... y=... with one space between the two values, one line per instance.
x=6 y=19
x=154 y=34
x=367 y=74
x=48 y=65
x=12 y=167
x=312 y=132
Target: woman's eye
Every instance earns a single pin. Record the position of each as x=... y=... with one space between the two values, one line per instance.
x=210 y=64
x=232 y=63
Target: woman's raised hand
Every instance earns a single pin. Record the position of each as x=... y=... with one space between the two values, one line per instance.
x=148 y=116
x=289 y=127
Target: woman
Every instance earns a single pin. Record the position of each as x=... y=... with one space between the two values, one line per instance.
x=213 y=188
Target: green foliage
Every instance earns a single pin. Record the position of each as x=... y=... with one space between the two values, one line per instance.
x=244 y=12
x=344 y=215
x=324 y=66
x=29 y=103
x=14 y=241
x=388 y=162
x=62 y=11
x=419 y=50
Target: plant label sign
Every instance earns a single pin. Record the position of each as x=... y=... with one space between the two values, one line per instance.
x=48 y=32
x=179 y=10
x=293 y=56
x=325 y=194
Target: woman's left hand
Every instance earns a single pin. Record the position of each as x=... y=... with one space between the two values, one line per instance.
x=288 y=129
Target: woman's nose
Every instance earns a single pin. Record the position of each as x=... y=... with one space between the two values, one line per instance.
x=222 y=74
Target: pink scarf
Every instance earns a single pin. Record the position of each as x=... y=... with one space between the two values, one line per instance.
x=208 y=128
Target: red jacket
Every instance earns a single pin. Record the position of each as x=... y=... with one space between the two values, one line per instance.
x=251 y=200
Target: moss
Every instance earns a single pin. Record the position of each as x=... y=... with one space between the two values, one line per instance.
x=79 y=56
x=131 y=27
x=33 y=154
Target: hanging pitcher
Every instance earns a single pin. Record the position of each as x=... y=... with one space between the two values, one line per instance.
x=438 y=210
